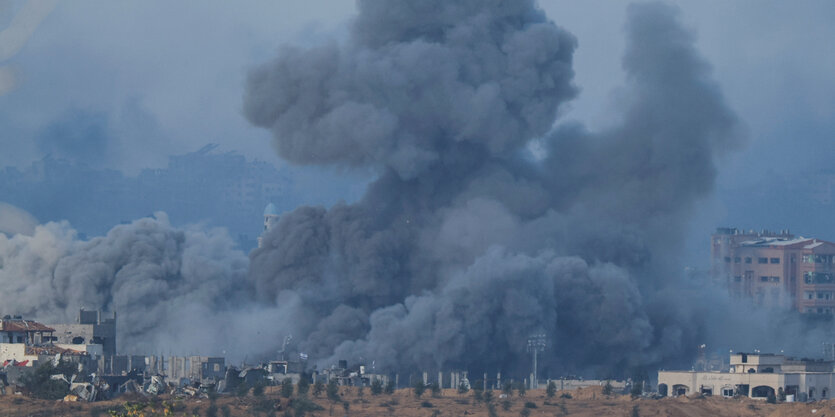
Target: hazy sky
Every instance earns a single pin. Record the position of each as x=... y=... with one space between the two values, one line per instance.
x=125 y=84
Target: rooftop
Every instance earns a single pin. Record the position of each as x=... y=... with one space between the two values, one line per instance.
x=18 y=324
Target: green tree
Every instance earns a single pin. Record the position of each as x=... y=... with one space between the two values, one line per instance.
x=526 y=412
x=419 y=388
x=39 y=384
x=304 y=385
x=376 y=387
x=771 y=399
x=318 y=388
x=635 y=412
x=478 y=395
x=389 y=387
x=333 y=391
x=462 y=388
x=287 y=388
x=258 y=389
x=436 y=389
x=346 y=406
x=607 y=389
x=488 y=396
x=637 y=388
x=520 y=386
x=551 y=391
x=507 y=388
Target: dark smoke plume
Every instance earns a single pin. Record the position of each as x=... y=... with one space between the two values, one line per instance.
x=466 y=244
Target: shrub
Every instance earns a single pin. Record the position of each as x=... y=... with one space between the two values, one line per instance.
x=530 y=404
x=39 y=385
x=286 y=388
x=426 y=404
x=304 y=385
x=389 y=388
x=507 y=388
x=488 y=396
x=525 y=412
x=258 y=389
x=607 y=389
x=318 y=388
x=333 y=391
x=462 y=388
x=419 y=388
x=551 y=390
x=491 y=410
x=566 y=395
x=635 y=412
x=520 y=386
x=376 y=387
x=436 y=389
x=506 y=405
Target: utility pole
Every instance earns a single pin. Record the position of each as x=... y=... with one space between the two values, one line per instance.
x=536 y=344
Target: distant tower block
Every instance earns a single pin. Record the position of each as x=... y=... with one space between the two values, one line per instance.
x=270 y=220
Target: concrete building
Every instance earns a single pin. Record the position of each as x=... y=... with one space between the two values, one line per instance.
x=196 y=368
x=91 y=328
x=755 y=376
x=17 y=330
x=776 y=269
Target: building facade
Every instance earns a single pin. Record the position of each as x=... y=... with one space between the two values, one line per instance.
x=776 y=269
x=755 y=376
x=91 y=327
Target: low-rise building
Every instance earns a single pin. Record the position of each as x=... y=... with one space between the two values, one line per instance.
x=755 y=376
x=91 y=328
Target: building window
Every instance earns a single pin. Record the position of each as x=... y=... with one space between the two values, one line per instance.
x=774 y=260
x=809 y=295
x=737 y=259
x=727 y=259
x=808 y=259
x=747 y=259
x=737 y=278
x=774 y=279
x=762 y=260
x=763 y=279
x=810 y=277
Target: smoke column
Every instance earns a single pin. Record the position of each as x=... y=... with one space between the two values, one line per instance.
x=13 y=37
x=466 y=244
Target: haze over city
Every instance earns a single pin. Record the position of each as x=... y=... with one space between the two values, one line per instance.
x=420 y=185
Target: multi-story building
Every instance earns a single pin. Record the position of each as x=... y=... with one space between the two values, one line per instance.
x=91 y=328
x=776 y=269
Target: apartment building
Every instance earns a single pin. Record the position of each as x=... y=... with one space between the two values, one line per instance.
x=776 y=269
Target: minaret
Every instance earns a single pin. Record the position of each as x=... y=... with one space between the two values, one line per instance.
x=270 y=220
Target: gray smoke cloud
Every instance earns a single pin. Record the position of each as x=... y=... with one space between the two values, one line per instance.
x=174 y=290
x=14 y=220
x=466 y=244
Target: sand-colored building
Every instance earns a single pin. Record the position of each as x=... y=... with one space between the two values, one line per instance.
x=755 y=376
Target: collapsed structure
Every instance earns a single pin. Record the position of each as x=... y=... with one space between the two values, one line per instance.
x=755 y=376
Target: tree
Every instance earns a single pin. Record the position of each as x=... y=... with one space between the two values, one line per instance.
x=607 y=389
x=346 y=406
x=360 y=390
x=507 y=388
x=333 y=391
x=520 y=386
x=462 y=388
x=637 y=388
x=771 y=399
x=488 y=396
x=419 y=388
x=287 y=388
x=436 y=389
x=551 y=390
x=389 y=387
x=318 y=388
x=376 y=387
x=258 y=389
x=304 y=385
x=40 y=385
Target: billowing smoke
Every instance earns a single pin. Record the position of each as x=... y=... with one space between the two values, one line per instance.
x=174 y=290
x=14 y=220
x=466 y=243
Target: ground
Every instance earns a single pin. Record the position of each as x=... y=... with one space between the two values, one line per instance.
x=585 y=402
